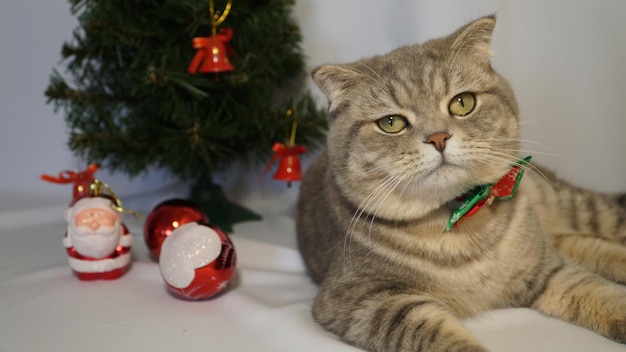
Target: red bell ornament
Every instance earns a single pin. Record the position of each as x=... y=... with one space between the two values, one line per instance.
x=211 y=56
x=288 y=168
x=288 y=162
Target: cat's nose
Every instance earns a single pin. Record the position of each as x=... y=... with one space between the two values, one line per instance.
x=438 y=140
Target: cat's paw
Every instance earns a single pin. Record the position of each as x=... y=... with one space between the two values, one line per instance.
x=617 y=330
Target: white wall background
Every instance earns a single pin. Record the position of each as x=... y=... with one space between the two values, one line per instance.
x=565 y=58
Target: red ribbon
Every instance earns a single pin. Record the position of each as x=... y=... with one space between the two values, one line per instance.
x=80 y=179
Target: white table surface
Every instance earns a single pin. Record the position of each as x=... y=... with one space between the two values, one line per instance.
x=43 y=307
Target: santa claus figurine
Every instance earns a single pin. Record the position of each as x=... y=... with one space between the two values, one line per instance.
x=97 y=242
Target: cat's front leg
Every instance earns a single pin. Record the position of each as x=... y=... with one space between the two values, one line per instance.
x=385 y=316
x=586 y=299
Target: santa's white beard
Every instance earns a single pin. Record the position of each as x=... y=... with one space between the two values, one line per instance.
x=96 y=244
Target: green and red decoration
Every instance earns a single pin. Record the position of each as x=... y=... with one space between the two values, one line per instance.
x=485 y=195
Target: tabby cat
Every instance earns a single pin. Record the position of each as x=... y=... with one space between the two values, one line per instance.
x=410 y=133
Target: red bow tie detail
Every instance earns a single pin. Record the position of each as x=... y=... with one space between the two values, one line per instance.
x=474 y=200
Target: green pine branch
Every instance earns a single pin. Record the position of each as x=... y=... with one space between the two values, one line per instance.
x=130 y=103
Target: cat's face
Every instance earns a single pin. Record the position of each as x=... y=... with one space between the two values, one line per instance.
x=421 y=125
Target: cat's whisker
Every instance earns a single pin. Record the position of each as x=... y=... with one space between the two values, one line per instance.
x=502 y=158
x=474 y=172
x=356 y=215
x=529 y=122
x=397 y=181
x=532 y=152
x=494 y=142
x=389 y=188
x=529 y=167
x=361 y=210
x=495 y=160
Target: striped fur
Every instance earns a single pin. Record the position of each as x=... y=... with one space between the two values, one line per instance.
x=373 y=207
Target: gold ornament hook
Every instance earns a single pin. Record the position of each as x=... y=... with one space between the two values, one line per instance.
x=98 y=188
x=218 y=18
x=291 y=133
x=292 y=137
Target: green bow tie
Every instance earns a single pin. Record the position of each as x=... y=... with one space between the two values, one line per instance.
x=472 y=201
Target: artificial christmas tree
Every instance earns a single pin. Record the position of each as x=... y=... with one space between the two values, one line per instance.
x=133 y=98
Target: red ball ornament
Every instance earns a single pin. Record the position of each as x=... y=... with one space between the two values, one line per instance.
x=197 y=261
x=165 y=218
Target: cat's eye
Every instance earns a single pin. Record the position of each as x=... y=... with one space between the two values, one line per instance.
x=462 y=104
x=392 y=124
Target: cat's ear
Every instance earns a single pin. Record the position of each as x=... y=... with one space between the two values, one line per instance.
x=335 y=80
x=475 y=38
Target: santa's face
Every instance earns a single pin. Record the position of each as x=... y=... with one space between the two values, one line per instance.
x=95 y=232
